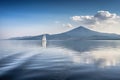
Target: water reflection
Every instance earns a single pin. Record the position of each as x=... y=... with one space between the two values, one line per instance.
x=85 y=45
x=102 y=54
x=102 y=58
x=60 y=58
x=44 y=41
x=97 y=53
x=44 y=44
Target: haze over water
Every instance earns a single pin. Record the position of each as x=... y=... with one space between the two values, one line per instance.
x=60 y=60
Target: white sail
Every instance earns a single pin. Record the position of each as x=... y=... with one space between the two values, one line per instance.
x=44 y=38
x=44 y=41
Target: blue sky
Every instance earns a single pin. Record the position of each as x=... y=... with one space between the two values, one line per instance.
x=34 y=17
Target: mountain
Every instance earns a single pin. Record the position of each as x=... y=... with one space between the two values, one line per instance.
x=81 y=33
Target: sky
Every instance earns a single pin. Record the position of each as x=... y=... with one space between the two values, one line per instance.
x=34 y=17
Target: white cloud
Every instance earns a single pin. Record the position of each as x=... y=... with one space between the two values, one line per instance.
x=105 y=15
x=68 y=25
x=99 y=17
x=102 y=20
x=76 y=18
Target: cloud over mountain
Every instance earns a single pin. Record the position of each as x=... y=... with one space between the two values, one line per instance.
x=98 y=18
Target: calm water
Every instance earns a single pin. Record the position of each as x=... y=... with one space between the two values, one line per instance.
x=60 y=60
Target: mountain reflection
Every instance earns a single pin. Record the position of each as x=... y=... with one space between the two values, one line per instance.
x=85 y=45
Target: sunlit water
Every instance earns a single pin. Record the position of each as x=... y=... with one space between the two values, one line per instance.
x=60 y=60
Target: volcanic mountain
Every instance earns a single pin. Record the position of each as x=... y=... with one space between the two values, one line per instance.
x=81 y=33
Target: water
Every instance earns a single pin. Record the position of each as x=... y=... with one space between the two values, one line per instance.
x=60 y=60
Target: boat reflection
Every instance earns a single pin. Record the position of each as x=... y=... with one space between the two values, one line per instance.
x=44 y=41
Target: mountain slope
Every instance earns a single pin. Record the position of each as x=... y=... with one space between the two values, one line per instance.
x=77 y=33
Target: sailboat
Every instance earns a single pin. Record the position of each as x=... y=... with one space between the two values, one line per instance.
x=44 y=41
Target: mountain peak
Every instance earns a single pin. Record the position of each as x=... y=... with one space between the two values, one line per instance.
x=83 y=28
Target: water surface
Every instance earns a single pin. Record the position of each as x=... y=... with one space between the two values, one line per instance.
x=60 y=60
